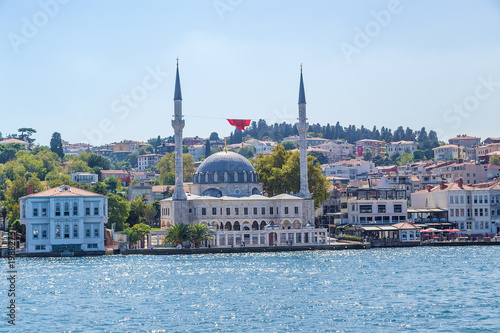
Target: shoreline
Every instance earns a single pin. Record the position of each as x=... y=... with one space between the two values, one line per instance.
x=260 y=249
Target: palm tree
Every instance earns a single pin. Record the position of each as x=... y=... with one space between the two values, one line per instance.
x=199 y=233
x=177 y=233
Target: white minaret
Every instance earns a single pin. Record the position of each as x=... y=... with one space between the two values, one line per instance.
x=178 y=125
x=302 y=127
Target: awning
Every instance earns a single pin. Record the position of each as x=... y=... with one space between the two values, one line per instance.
x=371 y=228
x=388 y=228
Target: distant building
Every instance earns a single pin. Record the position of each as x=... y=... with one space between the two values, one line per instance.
x=338 y=150
x=165 y=148
x=25 y=144
x=197 y=151
x=123 y=176
x=467 y=142
x=377 y=147
x=261 y=146
x=470 y=173
x=141 y=188
x=350 y=169
x=311 y=142
x=147 y=161
x=491 y=140
x=64 y=218
x=401 y=147
x=85 y=178
x=446 y=152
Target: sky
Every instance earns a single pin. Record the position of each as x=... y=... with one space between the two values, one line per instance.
x=104 y=71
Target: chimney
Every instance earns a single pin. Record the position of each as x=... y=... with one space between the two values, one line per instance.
x=441 y=185
x=460 y=183
x=30 y=189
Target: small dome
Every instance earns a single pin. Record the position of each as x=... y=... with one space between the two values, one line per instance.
x=225 y=162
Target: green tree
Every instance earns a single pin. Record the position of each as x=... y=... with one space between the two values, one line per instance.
x=8 y=152
x=280 y=173
x=199 y=233
x=166 y=166
x=177 y=234
x=150 y=213
x=137 y=232
x=26 y=133
x=494 y=159
x=214 y=136
x=56 y=144
x=99 y=188
x=405 y=158
x=113 y=184
x=78 y=166
x=322 y=159
x=248 y=152
x=418 y=155
x=137 y=209
x=118 y=212
x=367 y=154
x=289 y=145
x=148 y=149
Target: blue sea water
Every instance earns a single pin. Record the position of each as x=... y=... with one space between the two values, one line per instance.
x=451 y=289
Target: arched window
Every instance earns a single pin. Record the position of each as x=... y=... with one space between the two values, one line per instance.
x=75 y=208
x=215 y=177
x=58 y=231
x=228 y=226
x=262 y=225
x=236 y=225
x=255 y=225
x=226 y=177
x=245 y=176
x=58 y=209
x=75 y=231
x=66 y=231
x=236 y=179
x=66 y=209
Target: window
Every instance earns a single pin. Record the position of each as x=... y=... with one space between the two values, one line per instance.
x=480 y=199
x=87 y=211
x=44 y=232
x=35 y=232
x=486 y=212
x=66 y=209
x=286 y=210
x=469 y=225
x=40 y=247
x=91 y=246
x=381 y=208
x=87 y=231
x=75 y=208
x=365 y=208
x=96 y=211
x=398 y=208
x=35 y=211
x=255 y=211
x=296 y=210
x=475 y=199
x=228 y=211
x=461 y=200
x=485 y=199
x=236 y=211
x=263 y=210
x=468 y=199
x=452 y=212
x=96 y=231
x=203 y=211
x=58 y=231
x=451 y=199
x=486 y=225
x=75 y=231
x=58 y=209
x=461 y=212
x=44 y=211
x=66 y=231
x=214 y=211
x=481 y=212
x=271 y=210
x=245 y=211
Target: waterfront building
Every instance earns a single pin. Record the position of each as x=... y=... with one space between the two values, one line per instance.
x=227 y=196
x=64 y=218
x=376 y=206
x=468 y=207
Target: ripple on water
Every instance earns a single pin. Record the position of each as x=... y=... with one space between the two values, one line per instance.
x=384 y=290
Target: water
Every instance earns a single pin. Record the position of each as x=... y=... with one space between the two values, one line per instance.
x=452 y=289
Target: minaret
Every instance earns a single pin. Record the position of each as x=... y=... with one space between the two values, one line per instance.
x=178 y=125
x=302 y=127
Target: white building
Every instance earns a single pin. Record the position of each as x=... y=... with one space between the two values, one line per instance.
x=350 y=169
x=261 y=146
x=377 y=206
x=84 y=178
x=226 y=195
x=338 y=149
x=401 y=147
x=468 y=207
x=147 y=161
x=64 y=218
x=446 y=152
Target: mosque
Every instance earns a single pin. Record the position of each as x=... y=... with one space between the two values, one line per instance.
x=226 y=195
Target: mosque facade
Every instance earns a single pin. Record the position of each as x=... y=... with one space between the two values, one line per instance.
x=227 y=196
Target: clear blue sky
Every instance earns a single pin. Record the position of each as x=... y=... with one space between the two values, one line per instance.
x=240 y=59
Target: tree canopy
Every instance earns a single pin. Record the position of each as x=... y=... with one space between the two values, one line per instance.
x=280 y=173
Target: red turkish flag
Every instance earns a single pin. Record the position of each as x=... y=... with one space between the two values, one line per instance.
x=360 y=151
x=239 y=123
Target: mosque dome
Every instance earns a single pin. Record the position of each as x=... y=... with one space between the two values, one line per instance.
x=225 y=167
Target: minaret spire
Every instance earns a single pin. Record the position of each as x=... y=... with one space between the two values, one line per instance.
x=302 y=128
x=178 y=125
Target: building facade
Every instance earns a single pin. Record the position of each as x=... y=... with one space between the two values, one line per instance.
x=64 y=218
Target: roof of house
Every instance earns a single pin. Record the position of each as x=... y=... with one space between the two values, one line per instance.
x=64 y=191
x=405 y=226
x=114 y=172
x=446 y=146
x=8 y=141
x=465 y=137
